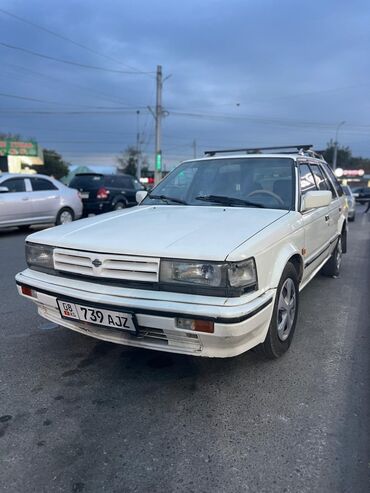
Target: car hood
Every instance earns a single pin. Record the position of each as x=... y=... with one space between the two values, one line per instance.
x=208 y=233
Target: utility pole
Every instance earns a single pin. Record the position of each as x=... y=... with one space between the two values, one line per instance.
x=138 y=152
x=194 y=149
x=158 y=118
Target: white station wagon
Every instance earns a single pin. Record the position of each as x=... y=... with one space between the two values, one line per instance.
x=210 y=263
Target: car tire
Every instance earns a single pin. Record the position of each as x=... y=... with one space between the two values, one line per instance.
x=332 y=266
x=24 y=227
x=284 y=315
x=64 y=216
x=118 y=206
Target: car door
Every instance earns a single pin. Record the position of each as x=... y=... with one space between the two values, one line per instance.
x=15 y=204
x=45 y=199
x=334 y=208
x=316 y=224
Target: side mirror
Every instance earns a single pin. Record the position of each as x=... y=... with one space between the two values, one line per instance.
x=4 y=189
x=140 y=196
x=316 y=199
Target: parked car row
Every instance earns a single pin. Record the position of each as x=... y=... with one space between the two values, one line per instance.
x=31 y=199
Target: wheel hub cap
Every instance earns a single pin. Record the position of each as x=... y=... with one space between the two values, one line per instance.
x=286 y=309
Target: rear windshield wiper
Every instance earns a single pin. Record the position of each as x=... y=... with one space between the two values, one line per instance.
x=166 y=198
x=222 y=199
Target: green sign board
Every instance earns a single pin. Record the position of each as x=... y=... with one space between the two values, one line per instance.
x=11 y=147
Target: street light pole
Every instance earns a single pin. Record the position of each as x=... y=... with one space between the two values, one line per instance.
x=336 y=145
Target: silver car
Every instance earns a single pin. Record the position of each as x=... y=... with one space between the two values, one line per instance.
x=351 y=202
x=36 y=199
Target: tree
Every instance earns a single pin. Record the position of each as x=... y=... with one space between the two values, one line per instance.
x=127 y=162
x=54 y=164
x=344 y=155
x=345 y=159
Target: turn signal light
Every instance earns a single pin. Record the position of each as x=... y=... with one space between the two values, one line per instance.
x=206 y=326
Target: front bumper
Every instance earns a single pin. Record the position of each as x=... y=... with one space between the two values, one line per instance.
x=239 y=323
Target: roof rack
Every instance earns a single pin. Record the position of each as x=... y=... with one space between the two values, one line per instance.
x=304 y=150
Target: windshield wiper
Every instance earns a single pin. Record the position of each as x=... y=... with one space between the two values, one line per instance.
x=166 y=198
x=223 y=199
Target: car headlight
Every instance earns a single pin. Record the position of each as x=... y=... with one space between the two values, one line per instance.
x=39 y=255
x=225 y=278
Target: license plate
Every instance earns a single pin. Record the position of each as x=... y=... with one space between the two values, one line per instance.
x=84 y=195
x=96 y=316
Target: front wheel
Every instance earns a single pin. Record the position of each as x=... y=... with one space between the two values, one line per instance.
x=64 y=216
x=332 y=266
x=284 y=316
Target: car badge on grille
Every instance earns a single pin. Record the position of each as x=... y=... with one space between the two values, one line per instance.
x=96 y=262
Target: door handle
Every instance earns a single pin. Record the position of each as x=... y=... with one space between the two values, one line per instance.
x=327 y=218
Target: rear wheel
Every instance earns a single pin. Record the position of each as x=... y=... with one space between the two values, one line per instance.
x=64 y=216
x=332 y=266
x=119 y=206
x=284 y=316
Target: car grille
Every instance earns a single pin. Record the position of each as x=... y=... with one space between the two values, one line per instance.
x=125 y=267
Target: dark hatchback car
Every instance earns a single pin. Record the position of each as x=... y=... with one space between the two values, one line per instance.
x=105 y=193
x=362 y=195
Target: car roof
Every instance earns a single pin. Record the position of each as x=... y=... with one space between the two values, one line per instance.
x=25 y=175
x=295 y=156
x=101 y=174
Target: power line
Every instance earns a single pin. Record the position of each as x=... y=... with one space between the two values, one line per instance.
x=44 y=76
x=68 y=62
x=65 y=38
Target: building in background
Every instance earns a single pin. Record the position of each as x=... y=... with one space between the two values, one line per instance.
x=18 y=156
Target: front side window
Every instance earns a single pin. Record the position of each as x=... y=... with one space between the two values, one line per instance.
x=249 y=182
x=40 y=184
x=14 y=185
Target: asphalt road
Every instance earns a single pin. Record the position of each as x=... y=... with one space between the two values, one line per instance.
x=79 y=415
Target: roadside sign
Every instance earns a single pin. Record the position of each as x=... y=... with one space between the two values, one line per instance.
x=11 y=147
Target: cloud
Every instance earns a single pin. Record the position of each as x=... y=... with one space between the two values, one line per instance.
x=270 y=72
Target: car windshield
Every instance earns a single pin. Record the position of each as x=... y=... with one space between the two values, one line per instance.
x=232 y=182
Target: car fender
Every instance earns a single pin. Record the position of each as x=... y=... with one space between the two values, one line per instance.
x=277 y=262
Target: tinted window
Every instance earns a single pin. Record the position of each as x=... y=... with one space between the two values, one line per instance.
x=123 y=181
x=14 y=185
x=87 y=182
x=321 y=179
x=334 y=180
x=39 y=184
x=307 y=180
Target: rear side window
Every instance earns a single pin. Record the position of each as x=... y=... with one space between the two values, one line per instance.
x=14 y=185
x=321 y=179
x=40 y=184
x=87 y=182
x=123 y=182
x=307 y=179
x=334 y=180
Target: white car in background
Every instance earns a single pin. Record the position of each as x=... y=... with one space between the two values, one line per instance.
x=36 y=199
x=210 y=263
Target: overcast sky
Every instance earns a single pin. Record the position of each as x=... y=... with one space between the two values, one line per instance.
x=242 y=73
